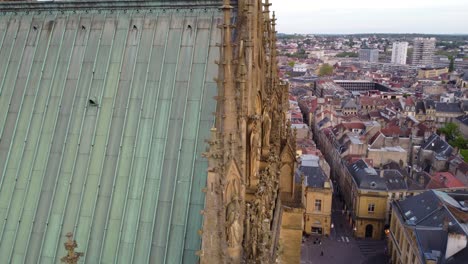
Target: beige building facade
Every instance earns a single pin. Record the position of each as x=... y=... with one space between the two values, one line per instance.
x=318 y=204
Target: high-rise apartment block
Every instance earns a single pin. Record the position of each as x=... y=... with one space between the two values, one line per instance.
x=370 y=55
x=399 y=52
x=423 y=51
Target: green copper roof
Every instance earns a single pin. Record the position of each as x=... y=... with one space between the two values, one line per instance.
x=103 y=118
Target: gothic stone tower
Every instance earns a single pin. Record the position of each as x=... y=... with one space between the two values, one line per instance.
x=242 y=203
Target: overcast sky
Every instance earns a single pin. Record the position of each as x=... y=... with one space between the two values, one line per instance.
x=371 y=16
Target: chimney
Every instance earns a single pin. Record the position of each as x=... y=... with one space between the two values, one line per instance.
x=427 y=134
x=414 y=131
x=421 y=179
x=445 y=224
x=444 y=180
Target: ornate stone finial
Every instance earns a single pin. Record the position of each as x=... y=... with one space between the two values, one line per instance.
x=267 y=6
x=72 y=257
x=273 y=19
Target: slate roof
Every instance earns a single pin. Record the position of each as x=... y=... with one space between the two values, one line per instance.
x=429 y=209
x=438 y=145
x=419 y=181
x=314 y=176
x=103 y=118
x=464 y=105
x=463 y=119
x=432 y=242
x=350 y=103
x=448 y=107
x=323 y=122
x=420 y=108
x=366 y=177
x=394 y=180
x=430 y=104
x=426 y=213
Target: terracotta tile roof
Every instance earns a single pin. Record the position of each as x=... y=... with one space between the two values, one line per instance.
x=409 y=101
x=391 y=131
x=374 y=137
x=444 y=180
x=375 y=114
x=354 y=125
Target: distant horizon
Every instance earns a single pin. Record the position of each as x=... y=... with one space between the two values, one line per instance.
x=378 y=33
x=344 y=17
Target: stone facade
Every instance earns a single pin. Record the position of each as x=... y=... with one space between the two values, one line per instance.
x=318 y=209
x=241 y=215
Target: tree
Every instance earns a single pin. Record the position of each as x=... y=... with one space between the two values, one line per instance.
x=325 y=70
x=459 y=142
x=347 y=54
x=452 y=64
x=453 y=136
x=291 y=63
x=450 y=130
x=464 y=153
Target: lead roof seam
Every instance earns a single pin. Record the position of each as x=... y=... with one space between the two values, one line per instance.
x=197 y=132
x=59 y=55
x=147 y=165
x=58 y=115
x=100 y=101
x=150 y=136
x=9 y=60
x=4 y=117
x=153 y=223
x=13 y=136
x=40 y=129
x=37 y=40
x=46 y=110
x=167 y=131
x=130 y=180
x=117 y=164
x=28 y=130
x=65 y=140
x=1 y=48
x=93 y=134
x=195 y=28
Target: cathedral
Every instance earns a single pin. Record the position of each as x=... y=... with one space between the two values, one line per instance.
x=142 y=131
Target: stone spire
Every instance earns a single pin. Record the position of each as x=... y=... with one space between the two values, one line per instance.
x=229 y=123
x=274 y=65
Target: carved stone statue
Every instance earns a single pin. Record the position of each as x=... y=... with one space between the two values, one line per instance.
x=254 y=150
x=266 y=127
x=233 y=227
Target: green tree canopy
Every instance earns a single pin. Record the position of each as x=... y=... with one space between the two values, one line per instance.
x=453 y=136
x=325 y=70
x=450 y=130
x=347 y=54
x=452 y=64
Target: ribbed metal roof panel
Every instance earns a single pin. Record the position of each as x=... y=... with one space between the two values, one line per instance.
x=103 y=118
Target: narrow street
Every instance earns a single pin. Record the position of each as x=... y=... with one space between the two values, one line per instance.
x=341 y=247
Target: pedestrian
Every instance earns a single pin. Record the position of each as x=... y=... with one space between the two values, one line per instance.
x=321 y=253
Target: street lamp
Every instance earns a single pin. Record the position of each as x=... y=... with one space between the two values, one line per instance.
x=332 y=226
